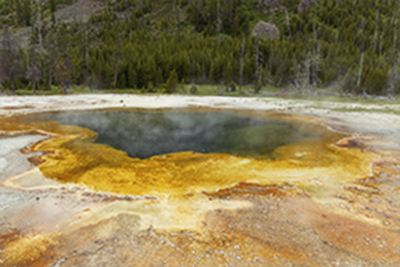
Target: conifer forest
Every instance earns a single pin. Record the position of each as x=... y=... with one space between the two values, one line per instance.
x=343 y=46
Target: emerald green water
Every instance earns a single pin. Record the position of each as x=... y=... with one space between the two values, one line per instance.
x=143 y=134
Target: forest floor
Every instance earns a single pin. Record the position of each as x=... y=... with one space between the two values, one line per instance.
x=343 y=210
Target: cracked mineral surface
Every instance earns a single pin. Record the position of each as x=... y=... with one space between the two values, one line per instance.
x=329 y=196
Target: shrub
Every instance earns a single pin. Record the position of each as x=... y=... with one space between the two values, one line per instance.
x=193 y=90
x=150 y=87
x=258 y=87
x=172 y=82
x=231 y=87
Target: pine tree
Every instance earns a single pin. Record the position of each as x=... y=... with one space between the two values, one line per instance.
x=52 y=56
x=63 y=74
x=11 y=66
x=33 y=73
x=172 y=82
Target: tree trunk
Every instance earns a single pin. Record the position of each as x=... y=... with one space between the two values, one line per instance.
x=142 y=10
x=218 y=20
x=178 y=22
x=242 y=54
x=12 y=86
x=50 y=81
x=361 y=48
x=288 y=26
x=85 y=43
x=393 y=77
x=381 y=38
x=257 y=56
x=115 y=79
x=395 y=26
x=40 y=37
x=87 y=79
x=376 y=30
x=315 y=59
x=360 y=71
x=118 y=55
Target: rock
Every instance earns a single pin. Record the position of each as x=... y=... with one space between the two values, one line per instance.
x=306 y=4
x=265 y=30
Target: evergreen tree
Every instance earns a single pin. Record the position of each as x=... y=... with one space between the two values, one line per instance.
x=33 y=72
x=11 y=66
x=172 y=82
x=130 y=44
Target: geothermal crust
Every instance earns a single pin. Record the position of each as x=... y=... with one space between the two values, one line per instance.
x=325 y=203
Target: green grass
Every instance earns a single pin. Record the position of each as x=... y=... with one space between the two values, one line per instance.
x=323 y=95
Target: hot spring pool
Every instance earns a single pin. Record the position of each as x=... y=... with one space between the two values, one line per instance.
x=143 y=134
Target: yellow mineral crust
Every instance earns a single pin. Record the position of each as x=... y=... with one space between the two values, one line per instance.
x=209 y=209
x=74 y=157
